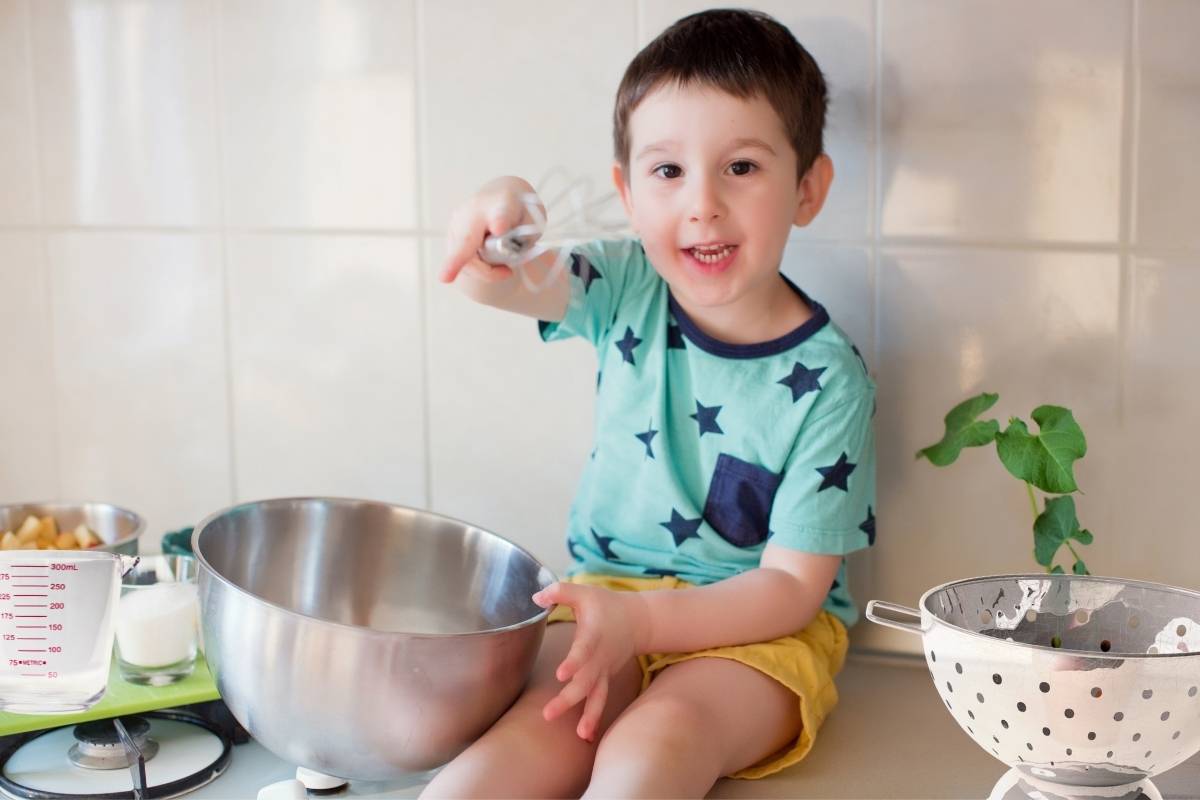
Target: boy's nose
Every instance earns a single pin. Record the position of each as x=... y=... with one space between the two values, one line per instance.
x=706 y=203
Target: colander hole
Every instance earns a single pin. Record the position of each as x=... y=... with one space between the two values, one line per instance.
x=985 y=617
x=1148 y=752
x=1045 y=687
x=1134 y=621
x=1029 y=745
x=1152 y=649
x=971 y=714
x=950 y=686
x=1021 y=707
x=1096 y=691
x=1175 y=735
x=1081 y=616
x=1166 y=715
x=1069 y=713
x=1137 y=737
x=1056 y=641
x=1045 y=731
x=1091 y=736
x=996 y=740
x=933 y=656
x=1192 y=691
x=1181 y=630
x=996 y=679
x=995 y=752
x=1068 y=751
x=958 y=668
x=979 y=696
x=1120 y=715
x=1109 y=754
x=947 y=702
x=1004 y=724
x=1147 y=694
x=1105 y=645
x=1182 y=647
x=970 y=731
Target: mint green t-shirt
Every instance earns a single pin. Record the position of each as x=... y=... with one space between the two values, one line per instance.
x=705 y=451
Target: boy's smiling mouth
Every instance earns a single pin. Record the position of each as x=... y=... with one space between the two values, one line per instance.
x=710 y=258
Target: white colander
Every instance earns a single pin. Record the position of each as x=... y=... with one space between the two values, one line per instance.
x=1074 y=681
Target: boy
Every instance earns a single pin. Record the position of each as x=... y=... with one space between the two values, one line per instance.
x=705 y=614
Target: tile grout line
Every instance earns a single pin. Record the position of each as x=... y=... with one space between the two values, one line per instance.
x=217 y=52
x=423 y=292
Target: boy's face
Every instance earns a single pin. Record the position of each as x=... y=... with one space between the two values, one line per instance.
x=712 y=192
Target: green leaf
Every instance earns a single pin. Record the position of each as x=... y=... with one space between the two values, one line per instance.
x=1080 y=568
x=964 y=430
x=1044 y=460
x=1084 y=536
x=1053 y=527
x=1057 y=571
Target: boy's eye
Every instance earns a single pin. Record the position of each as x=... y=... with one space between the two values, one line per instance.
x=743 y=167
x=668 y=171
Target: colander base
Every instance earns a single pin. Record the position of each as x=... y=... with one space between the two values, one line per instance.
x=1014 y=785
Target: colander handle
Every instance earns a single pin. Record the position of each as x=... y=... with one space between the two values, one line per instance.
x=893 y=608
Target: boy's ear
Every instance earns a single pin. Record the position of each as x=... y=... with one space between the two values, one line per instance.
x=813 y=189
x=618 y=176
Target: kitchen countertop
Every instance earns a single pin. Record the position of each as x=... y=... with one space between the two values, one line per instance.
x=890 y=738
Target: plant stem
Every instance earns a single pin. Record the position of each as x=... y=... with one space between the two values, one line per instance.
x=1032 y=500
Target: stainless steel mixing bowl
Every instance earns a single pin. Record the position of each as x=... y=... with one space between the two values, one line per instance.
x=361 y=639
x=118 y=528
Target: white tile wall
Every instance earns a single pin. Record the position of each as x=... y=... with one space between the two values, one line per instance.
x=140 y=378
x=218 y=220
x=18 y=198
x=328 y=390
x=318 y=121
x=126 y=107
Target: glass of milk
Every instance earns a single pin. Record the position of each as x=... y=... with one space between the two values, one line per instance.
x=158 y=620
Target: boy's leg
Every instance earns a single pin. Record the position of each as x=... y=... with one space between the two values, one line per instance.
x=699 y=720
x=522 y=755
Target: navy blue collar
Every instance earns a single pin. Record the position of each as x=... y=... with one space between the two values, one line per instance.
x=759 y=349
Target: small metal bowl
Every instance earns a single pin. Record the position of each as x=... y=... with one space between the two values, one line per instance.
x=118 y=528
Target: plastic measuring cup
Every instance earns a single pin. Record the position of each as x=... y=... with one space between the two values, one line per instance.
x=56 y=627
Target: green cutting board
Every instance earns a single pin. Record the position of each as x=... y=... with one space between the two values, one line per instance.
x=122 y=698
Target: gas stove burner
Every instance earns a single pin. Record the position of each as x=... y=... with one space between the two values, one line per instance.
x=98 y=745
x=189 y=751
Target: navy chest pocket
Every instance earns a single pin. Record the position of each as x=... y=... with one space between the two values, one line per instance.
x=739 y=500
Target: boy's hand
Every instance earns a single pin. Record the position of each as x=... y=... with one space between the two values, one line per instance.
x=496 y=208
x=609 y=627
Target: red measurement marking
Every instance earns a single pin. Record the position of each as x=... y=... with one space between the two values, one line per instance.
x=29 y=605
x=31 y=595
x=31 y=626
x=33 y=674
x=31 y=616
x=32 y=585
x=32 y=651
x=31 y=638
x=30 y=566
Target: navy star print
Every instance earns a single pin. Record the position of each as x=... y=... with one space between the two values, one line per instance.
x=627 y=344
x=868 y=527
x=682 y=529
x=583 y=269
x=707 y=417
x=836 y=474
x=605 y=545
x=646 y=437
x=802 y=380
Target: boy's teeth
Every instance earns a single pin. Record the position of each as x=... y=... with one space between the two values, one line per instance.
x=711 y=255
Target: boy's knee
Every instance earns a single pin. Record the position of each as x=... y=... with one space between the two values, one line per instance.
x=655 y=730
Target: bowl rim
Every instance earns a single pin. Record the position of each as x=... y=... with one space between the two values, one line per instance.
x=139 y=526
x=936 y=620
x=206 y=568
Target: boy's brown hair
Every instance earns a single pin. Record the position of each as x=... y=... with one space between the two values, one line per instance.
x=741 y=52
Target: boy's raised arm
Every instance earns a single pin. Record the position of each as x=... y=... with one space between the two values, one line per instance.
x=495 y=209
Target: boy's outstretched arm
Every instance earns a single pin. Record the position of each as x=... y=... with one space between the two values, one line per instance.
x=495 y=209
x=781 y=596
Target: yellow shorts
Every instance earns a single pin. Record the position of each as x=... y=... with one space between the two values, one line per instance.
x=805 y=662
